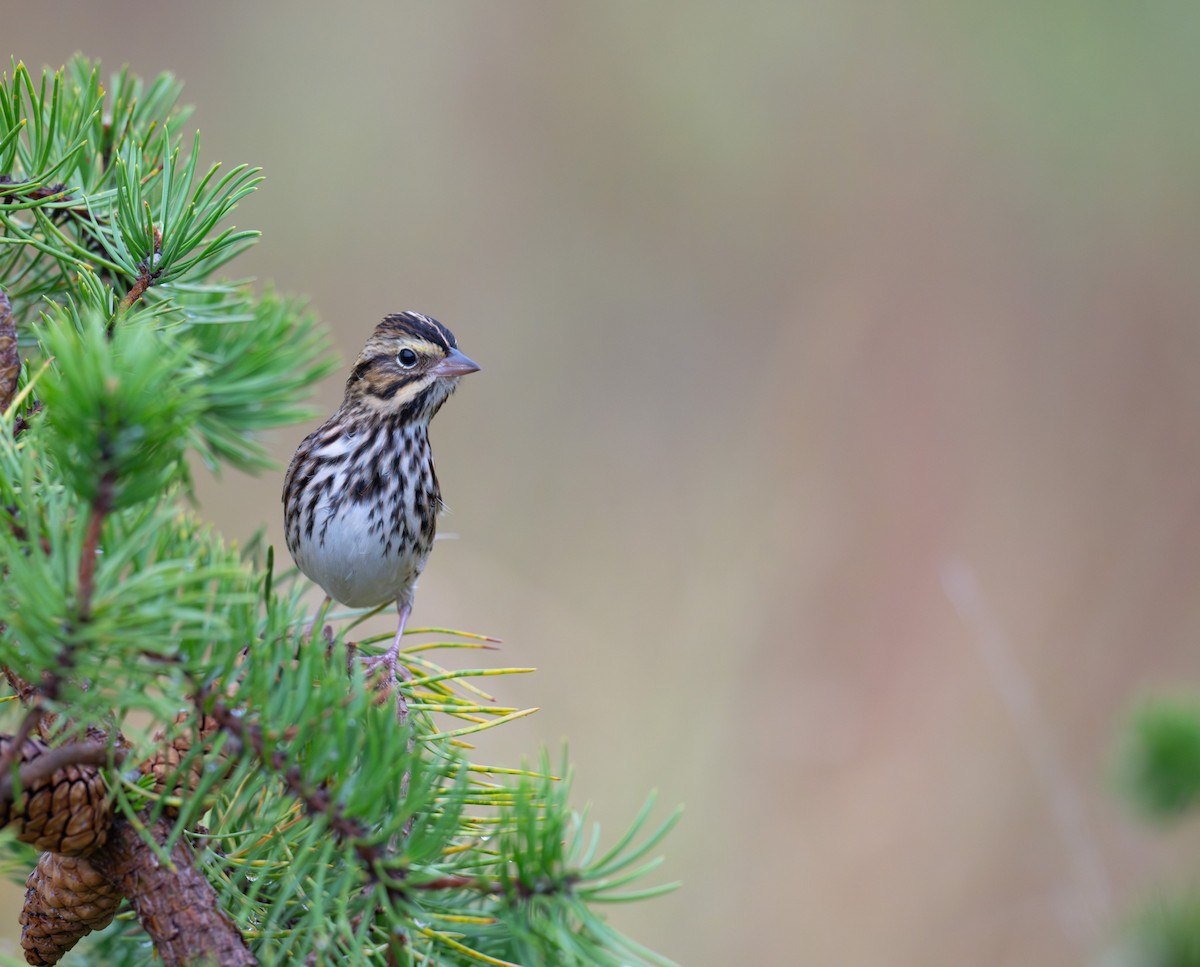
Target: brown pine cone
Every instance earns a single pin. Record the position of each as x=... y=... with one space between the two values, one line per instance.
x=65 y=900
x=67 y=812
x=165 y=764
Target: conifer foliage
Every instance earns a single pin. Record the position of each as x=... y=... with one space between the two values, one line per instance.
x=181 y=762
x=1159 y=770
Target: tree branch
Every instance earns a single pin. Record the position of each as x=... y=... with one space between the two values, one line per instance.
x=378 y=863
x=147 y=273
x=315 y=800
x=174 y=903
x=455 y=882
x=39 y=193
x=101 y=506
x=29 y=722
x=10 y=359
x=49 y=762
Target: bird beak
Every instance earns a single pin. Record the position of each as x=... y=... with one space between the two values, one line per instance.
x=455 y=364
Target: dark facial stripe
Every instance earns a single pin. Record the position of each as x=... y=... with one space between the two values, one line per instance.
x=392 y=388
x=361 y=369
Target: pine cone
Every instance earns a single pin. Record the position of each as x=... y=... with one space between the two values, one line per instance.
x=164 y=764
x=65 y=900
x=67 y=812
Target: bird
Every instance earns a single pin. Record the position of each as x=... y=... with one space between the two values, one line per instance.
x=361 y=496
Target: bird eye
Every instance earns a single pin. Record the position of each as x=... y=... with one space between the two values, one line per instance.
x=406 y=358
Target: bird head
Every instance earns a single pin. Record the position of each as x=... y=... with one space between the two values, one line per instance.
x=408 y=368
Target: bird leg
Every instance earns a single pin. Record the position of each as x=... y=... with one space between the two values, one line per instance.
x=394 y=671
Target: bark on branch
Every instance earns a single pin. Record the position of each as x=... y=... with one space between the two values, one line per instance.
x=10 y=358
x=175 y=904
x=93 y=860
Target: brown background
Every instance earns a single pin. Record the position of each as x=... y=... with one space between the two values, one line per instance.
x=794 y=318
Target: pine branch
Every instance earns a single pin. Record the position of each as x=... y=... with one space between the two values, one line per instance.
x=146 y=276
x=338 y=833
x=102 y=505
x=174 y=903
x=41 y=768
x=380 y=867
x=10 y=357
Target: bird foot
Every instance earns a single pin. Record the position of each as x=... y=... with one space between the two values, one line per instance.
x=389 y=663
x=387 y=673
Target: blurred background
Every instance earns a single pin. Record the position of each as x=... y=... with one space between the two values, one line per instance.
x=833 y=456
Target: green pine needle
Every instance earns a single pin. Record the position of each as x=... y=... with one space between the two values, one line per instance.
x=331 y=830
